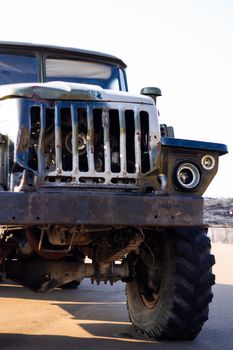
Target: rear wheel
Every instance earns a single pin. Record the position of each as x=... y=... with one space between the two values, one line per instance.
x=171 y=291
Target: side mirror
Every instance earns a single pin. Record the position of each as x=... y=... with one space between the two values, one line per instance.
x=152 y=92
x=166 y=131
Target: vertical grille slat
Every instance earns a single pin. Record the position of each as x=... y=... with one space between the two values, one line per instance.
x=137 y=141
x=31 y=154
x=105 y=122
x=152 y=142
x=75 y=158
x=151 y=149
x=58 y=139
x=90 y=140
x=122 y=142
x=40 y=152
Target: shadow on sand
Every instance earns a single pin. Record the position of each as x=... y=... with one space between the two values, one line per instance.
x=114 y=331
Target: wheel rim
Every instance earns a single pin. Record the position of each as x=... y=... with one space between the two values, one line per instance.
x=150 y=304
x=151 y=283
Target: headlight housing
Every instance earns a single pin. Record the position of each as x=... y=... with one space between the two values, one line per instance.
x=187 y=176
x=208 y=162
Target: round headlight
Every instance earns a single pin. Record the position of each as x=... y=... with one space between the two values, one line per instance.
x=208 y=162
x=187 y=176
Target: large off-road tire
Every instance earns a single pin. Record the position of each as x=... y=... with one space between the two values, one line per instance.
x=171 y=291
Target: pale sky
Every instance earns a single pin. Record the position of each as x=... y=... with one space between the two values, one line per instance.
x=185 y=47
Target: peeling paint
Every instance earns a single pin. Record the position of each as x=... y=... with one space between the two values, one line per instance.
x=57 y=90
x=23 y=138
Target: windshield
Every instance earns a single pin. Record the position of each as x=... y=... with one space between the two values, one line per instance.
x=85 y=72
x=18 y=69
x=26 y=68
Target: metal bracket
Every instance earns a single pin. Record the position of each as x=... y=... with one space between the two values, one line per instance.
x=40 y=245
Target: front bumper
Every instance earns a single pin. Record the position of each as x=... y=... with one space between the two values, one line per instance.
x=94 y=208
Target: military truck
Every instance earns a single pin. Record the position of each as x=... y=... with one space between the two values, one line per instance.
x=87 y=171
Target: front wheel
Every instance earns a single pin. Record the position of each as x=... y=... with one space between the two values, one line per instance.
x=171 y=291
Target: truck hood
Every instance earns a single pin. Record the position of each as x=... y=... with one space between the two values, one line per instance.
x=57 y=90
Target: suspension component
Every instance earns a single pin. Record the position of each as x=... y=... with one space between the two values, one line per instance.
x=42 y=275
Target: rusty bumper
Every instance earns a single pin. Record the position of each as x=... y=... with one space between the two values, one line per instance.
x=93 y=208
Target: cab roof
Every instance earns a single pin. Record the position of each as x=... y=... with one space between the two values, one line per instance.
x=63 y=51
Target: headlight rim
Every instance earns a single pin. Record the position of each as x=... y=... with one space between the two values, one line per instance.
x=213 y=162
x=194 y=169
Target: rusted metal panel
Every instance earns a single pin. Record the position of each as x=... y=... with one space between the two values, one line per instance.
x=96 y=208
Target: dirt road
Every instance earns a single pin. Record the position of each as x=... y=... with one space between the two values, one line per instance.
x=95 y=317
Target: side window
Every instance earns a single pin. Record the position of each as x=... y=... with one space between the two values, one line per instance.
x=18 y=69
x=123 y=82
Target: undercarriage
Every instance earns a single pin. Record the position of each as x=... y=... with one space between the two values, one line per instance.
x=49 y=256
x=167 y=271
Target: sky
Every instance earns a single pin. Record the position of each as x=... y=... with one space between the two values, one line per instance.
x=184 y=47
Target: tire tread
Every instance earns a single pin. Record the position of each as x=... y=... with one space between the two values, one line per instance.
x=193 y=279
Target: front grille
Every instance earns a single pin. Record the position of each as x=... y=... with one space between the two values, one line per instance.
x=91 y=143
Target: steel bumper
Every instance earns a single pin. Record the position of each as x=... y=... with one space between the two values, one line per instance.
x=93 y=208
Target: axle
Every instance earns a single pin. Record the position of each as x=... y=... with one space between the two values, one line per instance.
x=43 y=275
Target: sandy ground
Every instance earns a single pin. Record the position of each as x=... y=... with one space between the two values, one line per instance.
x=223 y=268
x=95 y=317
